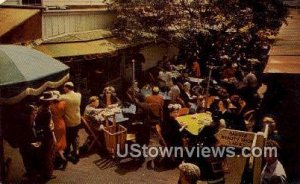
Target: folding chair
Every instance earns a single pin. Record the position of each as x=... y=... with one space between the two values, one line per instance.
x=95 y=135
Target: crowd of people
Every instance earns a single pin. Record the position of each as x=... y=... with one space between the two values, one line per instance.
x=51 y=133
x=229 y=94
x=227 y=86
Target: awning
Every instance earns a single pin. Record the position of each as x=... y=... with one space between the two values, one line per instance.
x=283 y=65
x=12 y=17
x=99 y=41
x=284 y=55
x=290 y=48
x=103 y=46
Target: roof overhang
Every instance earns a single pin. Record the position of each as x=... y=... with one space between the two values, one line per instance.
x=10 y=18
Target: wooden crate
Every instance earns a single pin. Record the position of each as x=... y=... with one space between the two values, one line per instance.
x=115 y=135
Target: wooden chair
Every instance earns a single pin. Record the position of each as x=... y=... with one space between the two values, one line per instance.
x=95 y=135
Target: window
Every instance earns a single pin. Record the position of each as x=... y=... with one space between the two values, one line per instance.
x=32 y=2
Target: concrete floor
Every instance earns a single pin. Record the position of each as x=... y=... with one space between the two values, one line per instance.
x=94 y=169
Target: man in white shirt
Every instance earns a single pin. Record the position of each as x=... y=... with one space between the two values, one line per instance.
x=72 y=118
x=273 y=172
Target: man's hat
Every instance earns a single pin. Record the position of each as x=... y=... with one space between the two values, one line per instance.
x=69 y=84
x=49 y=96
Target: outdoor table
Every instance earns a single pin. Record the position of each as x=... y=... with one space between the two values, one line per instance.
x=195 y=80
x=174 y=74
x=195 y=122
x=199 y=80
x=178 y=67
x=129 y=110
x=114 y=114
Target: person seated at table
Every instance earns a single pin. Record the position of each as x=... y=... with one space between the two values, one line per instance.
x=93 y=113
x=94 y=116
x=164 y=79
x=156 y=101
x=174 y=94
x=187 y=95
x=133 y=92
x=224 y=113
x=200 y=104
x=109 y=97
x=171 y=128
x=213 y=106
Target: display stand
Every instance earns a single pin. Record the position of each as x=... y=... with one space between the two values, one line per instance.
x=115 y=135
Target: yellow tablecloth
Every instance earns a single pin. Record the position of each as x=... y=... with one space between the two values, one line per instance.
x=195 y=122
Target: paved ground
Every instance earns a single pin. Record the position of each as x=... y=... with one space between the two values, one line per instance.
x=93 y=169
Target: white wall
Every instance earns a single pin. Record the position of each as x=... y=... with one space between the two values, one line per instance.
x=71 y=2
x=60 y=2
x=62 y=22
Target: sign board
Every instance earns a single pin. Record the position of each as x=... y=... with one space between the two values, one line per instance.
x=235 y=138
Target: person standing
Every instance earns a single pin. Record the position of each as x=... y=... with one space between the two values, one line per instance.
x=44 y=130
x=58 y=111
x=273 y=172
x=73 y=120
x=28 y=150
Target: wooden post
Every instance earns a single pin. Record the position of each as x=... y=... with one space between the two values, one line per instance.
x=207 y=89
x=251 y=159
x=133 y=71
x=260 y=142
x=133 y=77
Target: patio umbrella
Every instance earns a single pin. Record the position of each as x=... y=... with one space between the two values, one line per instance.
x=23 y=72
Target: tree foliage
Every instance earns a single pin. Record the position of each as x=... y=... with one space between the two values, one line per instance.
x=196 y=25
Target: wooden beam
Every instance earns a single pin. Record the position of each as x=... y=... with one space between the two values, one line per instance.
x=260 y=142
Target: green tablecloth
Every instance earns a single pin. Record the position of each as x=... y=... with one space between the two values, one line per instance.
x=195 y=122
